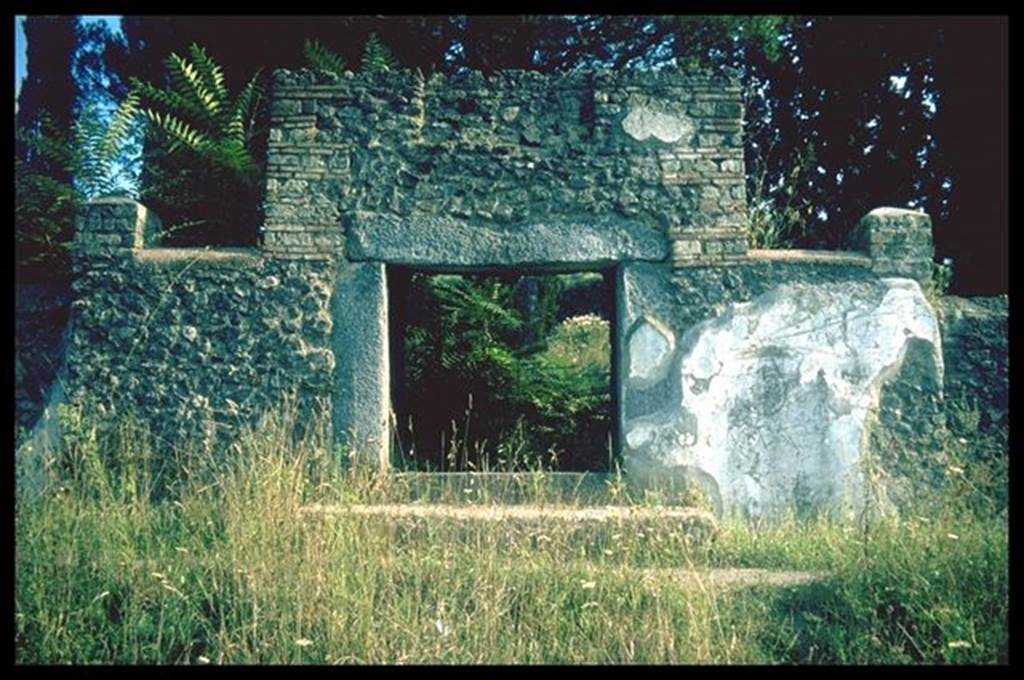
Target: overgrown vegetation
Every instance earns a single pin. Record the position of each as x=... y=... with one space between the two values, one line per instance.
x=189 y=148
x=202 y=175
x=197 y=155
x=122 y=557
x=494 y=374
x=56 y=170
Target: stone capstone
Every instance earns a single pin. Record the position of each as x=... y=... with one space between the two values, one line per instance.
x=773 y=398
x=899 y=242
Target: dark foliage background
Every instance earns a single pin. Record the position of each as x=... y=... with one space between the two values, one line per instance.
x=486 y=374
x=830 y=133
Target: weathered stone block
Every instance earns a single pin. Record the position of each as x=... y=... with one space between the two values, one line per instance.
x=362 y=400
x=658 y=120
x=441 y=241
x=899 y=241
x=116 y=223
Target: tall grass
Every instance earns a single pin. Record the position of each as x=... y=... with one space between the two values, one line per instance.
x=120 y=561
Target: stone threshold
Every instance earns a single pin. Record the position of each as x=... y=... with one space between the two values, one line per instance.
x=500 y=513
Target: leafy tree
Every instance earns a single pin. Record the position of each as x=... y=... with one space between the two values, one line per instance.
x=971 y=151
x=65 y=152
x=48 y=89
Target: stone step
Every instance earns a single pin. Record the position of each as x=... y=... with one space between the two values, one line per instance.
x=698 y=525
x=571 y=488
x=590 y=488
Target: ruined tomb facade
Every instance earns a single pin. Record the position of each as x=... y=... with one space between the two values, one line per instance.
x=768 y=377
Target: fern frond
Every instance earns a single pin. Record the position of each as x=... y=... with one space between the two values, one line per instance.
x=120 y=127
x=167 y=98
x=211 y=73
x=322 y=58
x=235 y=157
x=239 y=125
x=376 y=56
x=179 y=131
x=186 y=80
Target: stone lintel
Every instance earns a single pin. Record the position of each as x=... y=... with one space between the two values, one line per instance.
x=437 y=241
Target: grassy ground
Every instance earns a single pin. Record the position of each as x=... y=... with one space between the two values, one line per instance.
x=223 y=570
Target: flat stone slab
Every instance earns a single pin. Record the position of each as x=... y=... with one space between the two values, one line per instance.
x=437 y=241
x=509 y=488
x=525 y=513
x=156 y=255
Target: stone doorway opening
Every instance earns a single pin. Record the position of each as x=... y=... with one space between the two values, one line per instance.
x=502 y=370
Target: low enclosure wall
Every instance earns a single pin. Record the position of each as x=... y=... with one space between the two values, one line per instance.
x=770 y=379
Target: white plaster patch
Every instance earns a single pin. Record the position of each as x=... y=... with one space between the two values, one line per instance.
x=788 y=382
x=638 y=435
x=650 y=347
x=643 y=123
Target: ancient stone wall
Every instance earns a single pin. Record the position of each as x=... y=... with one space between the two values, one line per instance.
x=41 y=313
x=768 y=377
x=510 y=157
x=975 y=343
x=769 y=383
x=193 y=340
